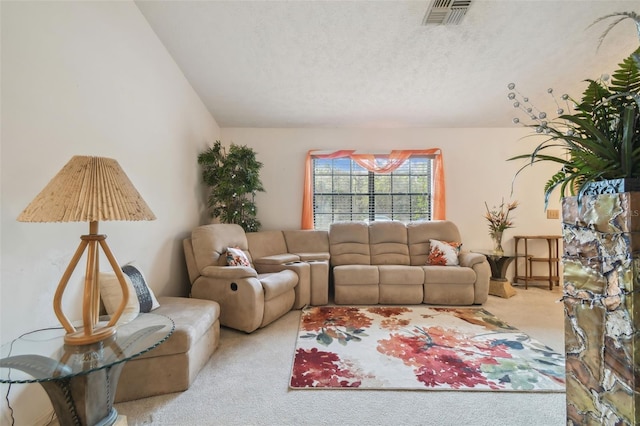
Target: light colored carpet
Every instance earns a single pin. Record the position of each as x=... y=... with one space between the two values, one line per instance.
x=246 y=383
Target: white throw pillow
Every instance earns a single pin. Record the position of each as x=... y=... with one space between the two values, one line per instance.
x=141 y=297
x=443 y=253
x=236 y=257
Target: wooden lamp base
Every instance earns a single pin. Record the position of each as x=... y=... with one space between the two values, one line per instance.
x=92 y=330
x=98 y=334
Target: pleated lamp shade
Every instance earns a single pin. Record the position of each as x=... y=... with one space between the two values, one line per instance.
x=88 y=189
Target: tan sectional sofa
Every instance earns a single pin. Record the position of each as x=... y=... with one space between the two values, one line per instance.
x=369 y=263
x=248 y=300
x=385 y=262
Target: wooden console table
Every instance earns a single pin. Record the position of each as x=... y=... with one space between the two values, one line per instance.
x=552 y=260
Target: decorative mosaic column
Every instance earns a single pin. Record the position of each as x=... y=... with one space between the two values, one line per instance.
x=601 y=263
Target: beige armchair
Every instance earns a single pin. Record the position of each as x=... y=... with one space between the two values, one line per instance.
x=248 y=300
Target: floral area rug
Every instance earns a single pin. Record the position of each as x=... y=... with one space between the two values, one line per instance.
x=420 y=348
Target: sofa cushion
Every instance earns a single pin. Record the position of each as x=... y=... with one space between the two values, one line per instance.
x=266 y=243
x=278 y=283
x=308 y=244
x=191 y=317
x=447 y=294
x=388 y=242
x=401 y=284
x=349 y=243
x=448 y=275
x=356 y=275
x=401 y=274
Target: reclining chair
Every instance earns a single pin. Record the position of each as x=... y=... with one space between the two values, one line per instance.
x=248 y=300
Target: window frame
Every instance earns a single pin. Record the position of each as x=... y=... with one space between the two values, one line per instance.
x=408 y=170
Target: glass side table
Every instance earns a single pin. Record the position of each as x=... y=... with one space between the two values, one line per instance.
x=499 y=285
x=81 y=381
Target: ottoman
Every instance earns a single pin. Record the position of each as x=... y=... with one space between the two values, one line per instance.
x=173 y=365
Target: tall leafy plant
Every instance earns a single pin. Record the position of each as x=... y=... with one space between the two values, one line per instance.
x=600 y=140
x=233 y=179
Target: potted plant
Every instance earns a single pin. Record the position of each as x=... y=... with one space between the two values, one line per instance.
x=233 y=179
x=599 y=145
x=600 y=141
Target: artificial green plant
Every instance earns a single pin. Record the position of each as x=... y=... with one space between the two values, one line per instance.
x=600 y=140
x=233 y=179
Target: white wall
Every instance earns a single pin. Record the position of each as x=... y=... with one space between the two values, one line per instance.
x=476 y=170
x=90 y=78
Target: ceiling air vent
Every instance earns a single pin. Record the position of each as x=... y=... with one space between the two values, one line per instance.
x=446 y=12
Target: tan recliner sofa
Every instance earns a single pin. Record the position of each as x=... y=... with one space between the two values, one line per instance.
x=386 y=263
x=289 y=270
x=248 y=299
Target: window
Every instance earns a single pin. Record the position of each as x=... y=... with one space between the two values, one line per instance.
x=345 y=191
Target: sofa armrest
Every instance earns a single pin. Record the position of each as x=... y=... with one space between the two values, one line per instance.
x=306 y=257
x=302 y=269
x=478 y=262
x=229 y=272
x=468 y=259
x=276 y=259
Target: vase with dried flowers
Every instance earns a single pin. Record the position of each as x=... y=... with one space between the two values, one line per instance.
x=498 y=218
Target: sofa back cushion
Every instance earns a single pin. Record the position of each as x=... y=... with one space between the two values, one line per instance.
x=210 y=243
x=308 y=244
x=420 y=233
x=349 y=243
x=266 y=243
x=388 y=241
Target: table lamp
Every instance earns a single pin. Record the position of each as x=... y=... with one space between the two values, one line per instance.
x=89 y=189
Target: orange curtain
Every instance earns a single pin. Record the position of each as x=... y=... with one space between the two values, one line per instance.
x=368 y=161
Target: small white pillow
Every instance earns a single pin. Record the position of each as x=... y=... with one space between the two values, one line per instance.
x=443 y=253
x=236 y=257
x=111 y=295
x=141 y=297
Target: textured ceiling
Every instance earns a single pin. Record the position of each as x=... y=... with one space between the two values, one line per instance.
x=372 y=64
